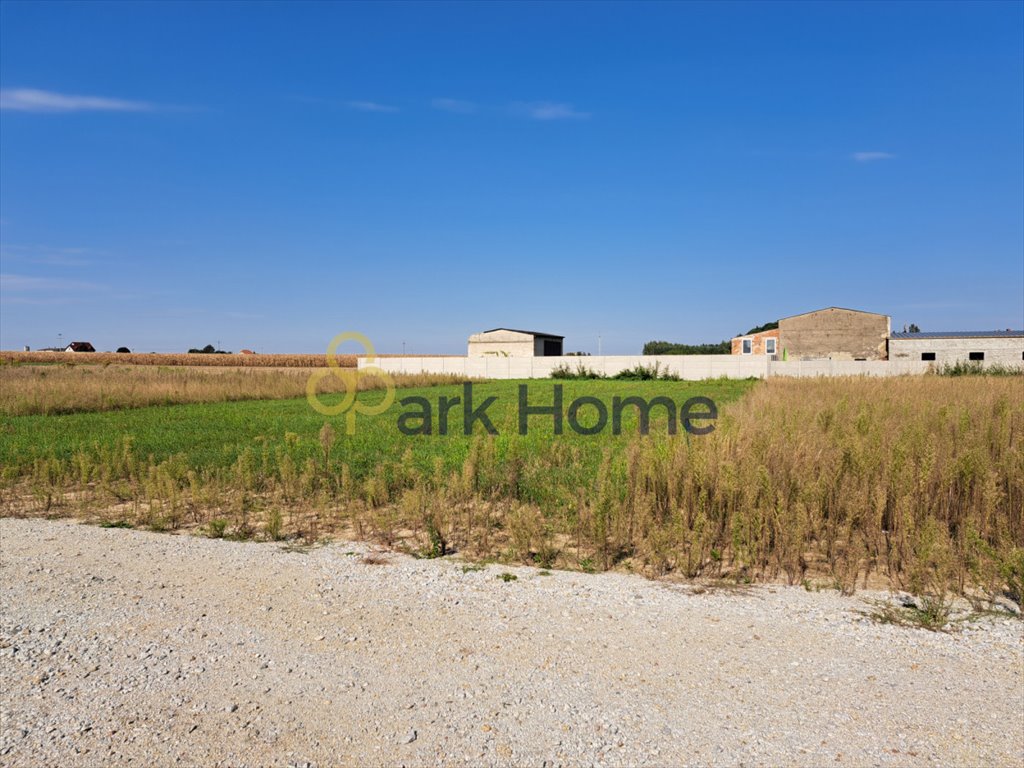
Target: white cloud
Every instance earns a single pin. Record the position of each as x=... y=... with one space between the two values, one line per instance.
x=32 y=284
x=870 y=157
x=44 y=254
x=370 y=106
x=29 y=290
x=454 y=105
x=548 y=110
x=32 y=100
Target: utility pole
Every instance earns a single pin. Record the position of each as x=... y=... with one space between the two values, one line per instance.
x=403 y=349
x=599 y=345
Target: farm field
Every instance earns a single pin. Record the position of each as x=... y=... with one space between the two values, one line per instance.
x=170 y=359
x=275 y=437
x=194 y=360
x=914 y=482
x=68 y=388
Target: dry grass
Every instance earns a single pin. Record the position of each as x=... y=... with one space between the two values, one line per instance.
x=917 y=482
x=202 y=360
x=194 y=360
x=39 y=389
x=917 y=479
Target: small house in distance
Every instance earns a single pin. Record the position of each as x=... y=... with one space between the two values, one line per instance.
x=951 y=347
x=79 y=346
x=762 y=343
x=509 y=342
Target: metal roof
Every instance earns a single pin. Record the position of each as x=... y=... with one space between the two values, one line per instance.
x=1007 y=334
x=528 y=333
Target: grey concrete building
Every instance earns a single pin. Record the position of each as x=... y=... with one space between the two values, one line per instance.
x=834 y=333
x=986 y=347
x=509 y=342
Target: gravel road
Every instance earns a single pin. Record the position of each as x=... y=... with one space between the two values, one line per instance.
x=120 y=647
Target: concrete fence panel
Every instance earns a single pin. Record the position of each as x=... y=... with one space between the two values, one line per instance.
x=687 y=367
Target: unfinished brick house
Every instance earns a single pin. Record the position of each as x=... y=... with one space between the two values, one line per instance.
x=763 y=343
x=833 y=333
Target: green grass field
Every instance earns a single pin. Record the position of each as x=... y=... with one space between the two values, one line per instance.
x=212 y=437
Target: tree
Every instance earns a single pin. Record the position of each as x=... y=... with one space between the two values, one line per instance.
x=669 y=348
x=766 y=327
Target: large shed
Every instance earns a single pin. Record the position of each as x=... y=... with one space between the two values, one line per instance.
x=951 y=347
x=834 y=333
x=510 y=342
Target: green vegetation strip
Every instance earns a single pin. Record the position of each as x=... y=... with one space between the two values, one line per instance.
x=212 y=436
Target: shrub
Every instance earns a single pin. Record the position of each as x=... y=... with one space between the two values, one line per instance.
x=646 y=373
x=438 y=546
x=275 y=522
x=563 y=371
x=977 y=368
x=1012 y=571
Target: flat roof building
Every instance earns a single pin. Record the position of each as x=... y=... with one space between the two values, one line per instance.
x=951 y=347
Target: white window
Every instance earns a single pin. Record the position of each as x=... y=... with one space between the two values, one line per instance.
x=748 y=346
x=769 y=346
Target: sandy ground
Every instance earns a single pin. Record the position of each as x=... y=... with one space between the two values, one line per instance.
x=124 y=647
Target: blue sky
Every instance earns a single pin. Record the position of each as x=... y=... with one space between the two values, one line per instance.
x=267 y=175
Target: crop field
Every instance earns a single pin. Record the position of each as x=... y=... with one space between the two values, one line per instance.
x=917 y=481
x=57 y=389
x=163 y=359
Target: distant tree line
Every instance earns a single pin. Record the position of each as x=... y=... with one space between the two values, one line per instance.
x=209 y=349
x=669 y=348
x=761 y=328
x=721 y=348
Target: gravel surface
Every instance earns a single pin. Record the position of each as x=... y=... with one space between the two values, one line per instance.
x=121 y=647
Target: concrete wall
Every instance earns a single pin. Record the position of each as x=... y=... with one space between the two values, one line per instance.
x=998 y=351
x=688 y=367
x=816 y=368
x=834 y=333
